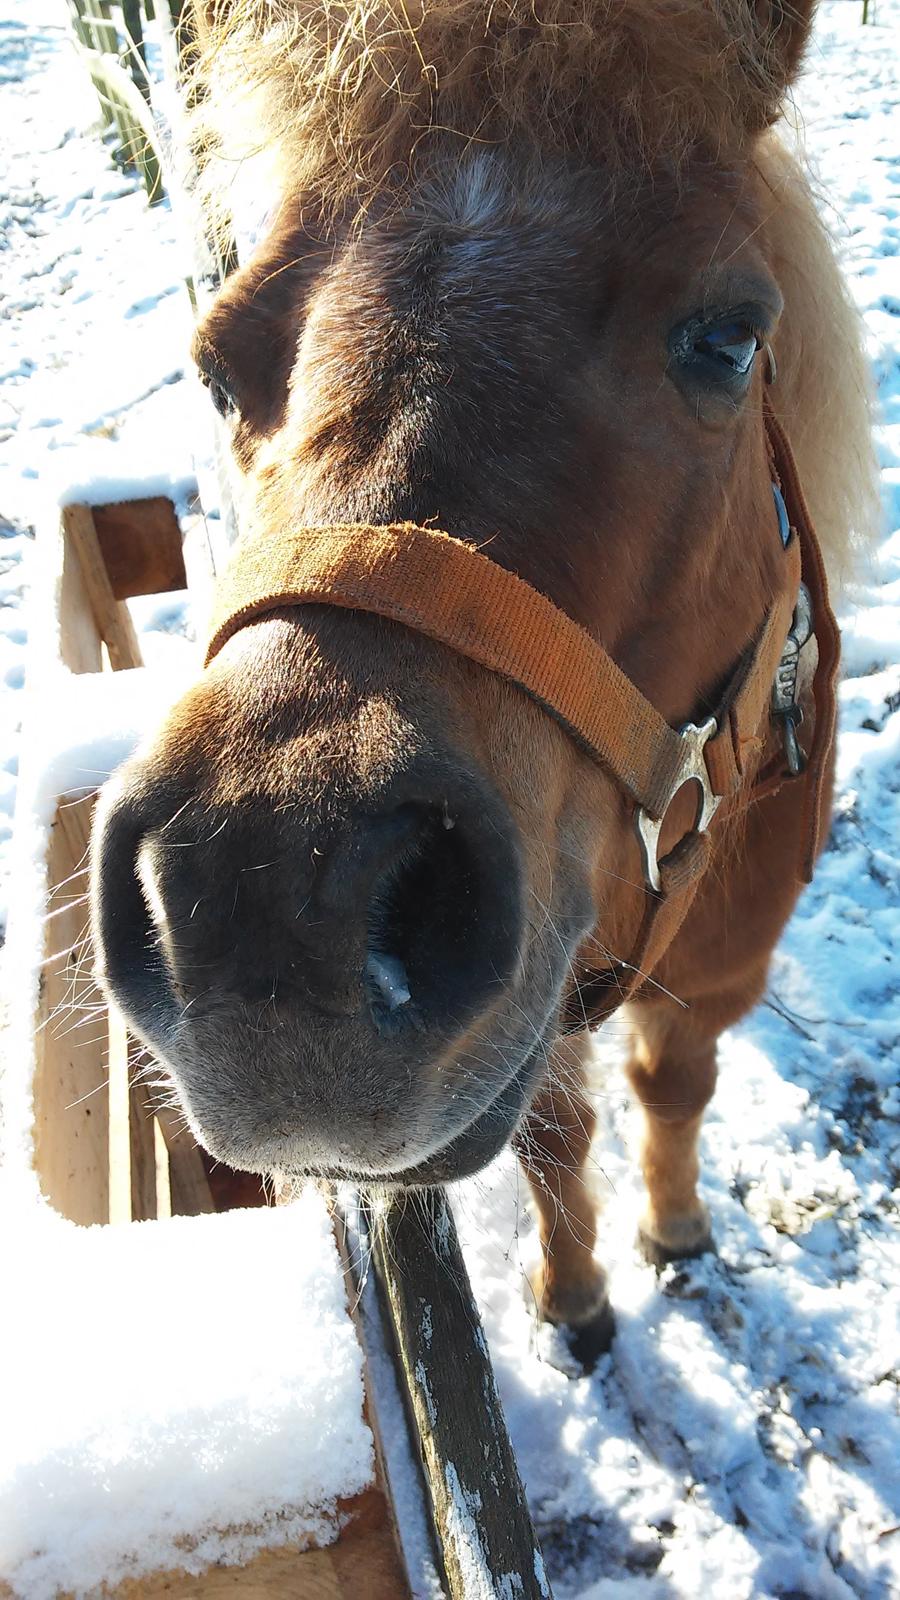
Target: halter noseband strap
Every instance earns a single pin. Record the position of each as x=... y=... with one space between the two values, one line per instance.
x=451 y=592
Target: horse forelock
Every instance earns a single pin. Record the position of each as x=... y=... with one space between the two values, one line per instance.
x=333 y=107
x=348 y=95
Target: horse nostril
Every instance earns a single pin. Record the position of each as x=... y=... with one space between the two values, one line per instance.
x=130 y=958
x=429 y=935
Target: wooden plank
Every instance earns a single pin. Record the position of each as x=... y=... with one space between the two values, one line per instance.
x=362 y=1565
x=112 y=617
x=365 y=1560
x=142 y=1143
x=71 y=1120
x=132 y=1143
x=190 y=1192
x=163 y=1182
x=487 y=1541
x=232 y=1190
x=140 y=542
x=145 y=1174
x=119 y=1136
x=79 y=643
x=73 y=818
x=139 y=1189
x=193 y=1182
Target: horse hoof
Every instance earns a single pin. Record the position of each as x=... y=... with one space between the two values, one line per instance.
x=575 y=1350
x=591 y=1340
x=659 y=1255
x=576 y=1325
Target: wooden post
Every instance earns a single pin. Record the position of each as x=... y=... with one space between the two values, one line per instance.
x=143 y=1164
x=119 y=1121
x=191 y=1195
x=71 y=1104
x=487 y=1541
x=112 y=616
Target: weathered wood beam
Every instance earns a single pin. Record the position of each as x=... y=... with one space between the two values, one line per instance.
x=488 y=1545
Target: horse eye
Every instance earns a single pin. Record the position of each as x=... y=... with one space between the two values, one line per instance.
x=220 y=391
x=714 y=356
x=733 y=344
x=222 y=398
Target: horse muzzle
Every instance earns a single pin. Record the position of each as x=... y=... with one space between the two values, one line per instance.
x=316 y=986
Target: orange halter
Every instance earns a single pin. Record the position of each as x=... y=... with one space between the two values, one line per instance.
x=450 y=591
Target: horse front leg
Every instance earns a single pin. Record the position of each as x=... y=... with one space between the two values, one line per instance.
x=673 y=1073
x=718 y=965
x=553 y=1147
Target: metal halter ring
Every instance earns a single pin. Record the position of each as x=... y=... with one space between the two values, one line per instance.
x=692 y=770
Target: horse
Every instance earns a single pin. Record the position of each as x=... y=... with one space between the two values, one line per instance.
x=549 y=419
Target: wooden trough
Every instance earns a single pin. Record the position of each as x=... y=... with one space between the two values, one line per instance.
x=106 y=1151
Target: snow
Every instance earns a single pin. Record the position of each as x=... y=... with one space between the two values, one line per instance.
x=742 y=1438
x=99 y=481
x=173 y=1393
x=211 y=1380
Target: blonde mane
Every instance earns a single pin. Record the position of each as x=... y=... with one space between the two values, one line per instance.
x=333 y=102
x=823 y=390
x=346 y=94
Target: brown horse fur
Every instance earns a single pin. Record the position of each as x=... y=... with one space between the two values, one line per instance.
x=489 y=220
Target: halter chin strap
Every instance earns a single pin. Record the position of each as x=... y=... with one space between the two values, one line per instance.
x=451 y=592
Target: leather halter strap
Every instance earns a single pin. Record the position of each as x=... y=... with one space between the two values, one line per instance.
x=453 y=593
x=450 y=591
x=745 y=726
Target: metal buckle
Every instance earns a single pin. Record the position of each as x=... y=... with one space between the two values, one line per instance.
x=692 y=770
x=785 y=709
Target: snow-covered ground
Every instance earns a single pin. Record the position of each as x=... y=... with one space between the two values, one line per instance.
x=743 y=1437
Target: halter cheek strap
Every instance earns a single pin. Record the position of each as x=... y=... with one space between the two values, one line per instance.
x=732 y=753
x=449 y=591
